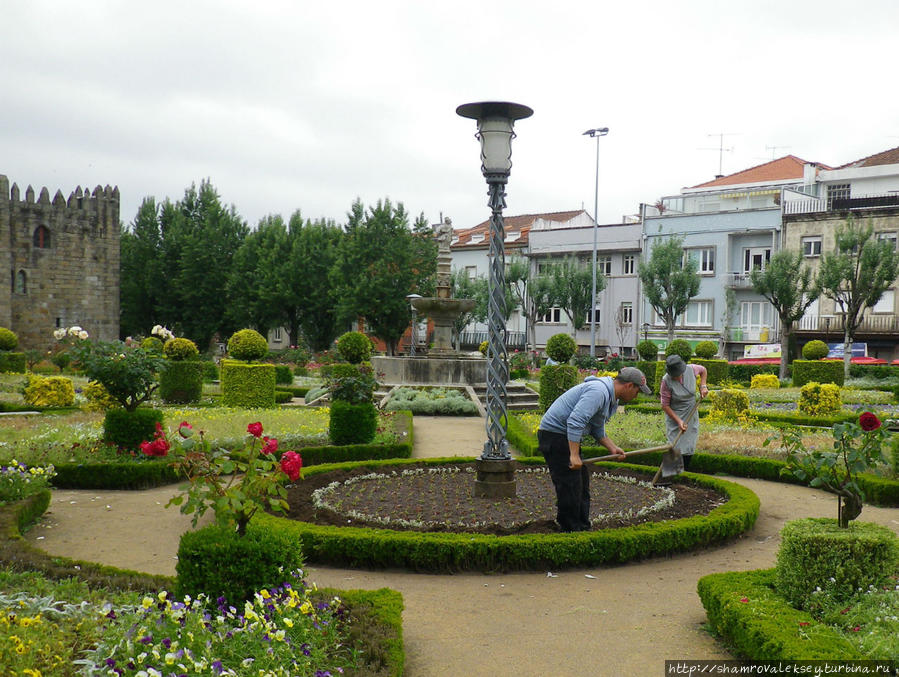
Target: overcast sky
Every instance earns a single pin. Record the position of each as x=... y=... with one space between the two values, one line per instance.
x=309 y=105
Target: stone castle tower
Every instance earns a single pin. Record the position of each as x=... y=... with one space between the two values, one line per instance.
x=63 y=258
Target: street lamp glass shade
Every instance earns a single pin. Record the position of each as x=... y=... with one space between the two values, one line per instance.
x=495 y=122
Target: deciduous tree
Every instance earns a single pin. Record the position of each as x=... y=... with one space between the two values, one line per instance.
x=669 y=280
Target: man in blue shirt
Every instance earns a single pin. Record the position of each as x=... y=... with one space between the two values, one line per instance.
x=585 y=408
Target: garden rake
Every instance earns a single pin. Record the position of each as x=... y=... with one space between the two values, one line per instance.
x=672 y=463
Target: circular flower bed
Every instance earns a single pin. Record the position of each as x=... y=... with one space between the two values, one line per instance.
x=440 y=499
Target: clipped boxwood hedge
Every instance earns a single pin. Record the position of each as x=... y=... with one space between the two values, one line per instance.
x=181 y=382
x=820 y=371
x=743 y=373
x=555 y=379
x=127 y=429
x=143 y=474
x=649 y=371
x=441 y=551
x=718 y=370
x=765 y=626
x=247 y=385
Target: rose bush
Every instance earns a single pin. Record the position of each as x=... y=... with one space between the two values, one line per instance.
x=235 y=485
x=856 y=447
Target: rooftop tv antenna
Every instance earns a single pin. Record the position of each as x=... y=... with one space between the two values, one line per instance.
x=773 y=150
x=721 y=149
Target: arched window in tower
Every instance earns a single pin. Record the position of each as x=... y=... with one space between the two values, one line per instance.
x=21 y=286
x=41 y=237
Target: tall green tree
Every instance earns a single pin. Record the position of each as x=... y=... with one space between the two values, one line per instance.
x=311 y=309
x=142 y=274
x=205 y=235
x=855 y=275
x=572 y=290
x=531 y=293
x=380 y=261
x=669 y=280
x=256 y=279
x=789 y=286
x=464 y=287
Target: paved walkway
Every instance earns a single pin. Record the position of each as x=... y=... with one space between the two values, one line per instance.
x=623 y=620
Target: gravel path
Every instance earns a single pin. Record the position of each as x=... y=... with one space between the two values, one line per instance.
x=624 y=620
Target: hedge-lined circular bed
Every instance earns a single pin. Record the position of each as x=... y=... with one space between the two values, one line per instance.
x=447 y=552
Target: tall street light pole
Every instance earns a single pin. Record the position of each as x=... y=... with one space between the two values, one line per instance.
x=496 y=471
x=595 y=133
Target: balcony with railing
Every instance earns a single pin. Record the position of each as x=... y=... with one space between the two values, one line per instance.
x=870 y=201
x=827 y=325
x=738 y=280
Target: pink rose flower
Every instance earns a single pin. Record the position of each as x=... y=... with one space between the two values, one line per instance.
x=255 y=429
x=270 y=446
x=184 y=428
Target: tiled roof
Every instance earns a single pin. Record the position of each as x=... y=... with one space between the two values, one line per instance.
x=887 y=157
x=781 y=169
x=521 y=224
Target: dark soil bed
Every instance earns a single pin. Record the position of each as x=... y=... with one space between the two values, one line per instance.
x=416 y=497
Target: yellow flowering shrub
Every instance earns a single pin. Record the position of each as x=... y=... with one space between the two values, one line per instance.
x=51 y=391
x=764 y=381
x=730 y=406
x=820 y=399
x=98 y=398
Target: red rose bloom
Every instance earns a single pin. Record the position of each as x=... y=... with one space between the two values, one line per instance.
x=270 y=446
x=868 y=422
x=292 y=465
x=255 y=429
x=185 y=426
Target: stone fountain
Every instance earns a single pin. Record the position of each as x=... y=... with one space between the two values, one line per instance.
x=443 y=365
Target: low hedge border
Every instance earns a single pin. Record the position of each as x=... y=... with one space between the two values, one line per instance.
x=785 y=417
x=880 y=491
x=448 y=552
x=376 y=615
x=146 y=474
x=765 y=626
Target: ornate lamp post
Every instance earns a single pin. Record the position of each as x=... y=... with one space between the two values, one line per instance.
x=595 y=133
x=646 y=331
x=413 y=329
x=496 y=472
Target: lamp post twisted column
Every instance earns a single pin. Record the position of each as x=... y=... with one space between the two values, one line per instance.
x=495 y=467
x=497 y=446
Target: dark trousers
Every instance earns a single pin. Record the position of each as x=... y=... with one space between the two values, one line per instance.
x=572 y=486
x=688 y=458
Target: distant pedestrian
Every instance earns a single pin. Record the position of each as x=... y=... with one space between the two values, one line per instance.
x=584 y=408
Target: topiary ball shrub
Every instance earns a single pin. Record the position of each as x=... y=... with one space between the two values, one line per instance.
x=815 y=350
x=560 y=347
x=354 y=346
x=215 y=560
x=706 y=350
x=127 y=429
x=679 y=347
x=649 y=351
x=247 y=345
x=352 y=423
x=180 y=349
x=8 y=339
x=151 y=344
x=820 y=562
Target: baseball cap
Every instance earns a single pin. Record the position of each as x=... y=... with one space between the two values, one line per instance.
x=675 y=365
x=635 y=376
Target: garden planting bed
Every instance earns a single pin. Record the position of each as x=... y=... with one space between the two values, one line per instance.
x=421 y=497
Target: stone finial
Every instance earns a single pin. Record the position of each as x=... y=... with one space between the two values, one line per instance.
x=97 y=191
x=14 y=193
x=78 y=193
x=44 y=199
x=58 y=199
x=29 y=194
x=115 y=193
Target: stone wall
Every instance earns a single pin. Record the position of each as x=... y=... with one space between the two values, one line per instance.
x=63 y=258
